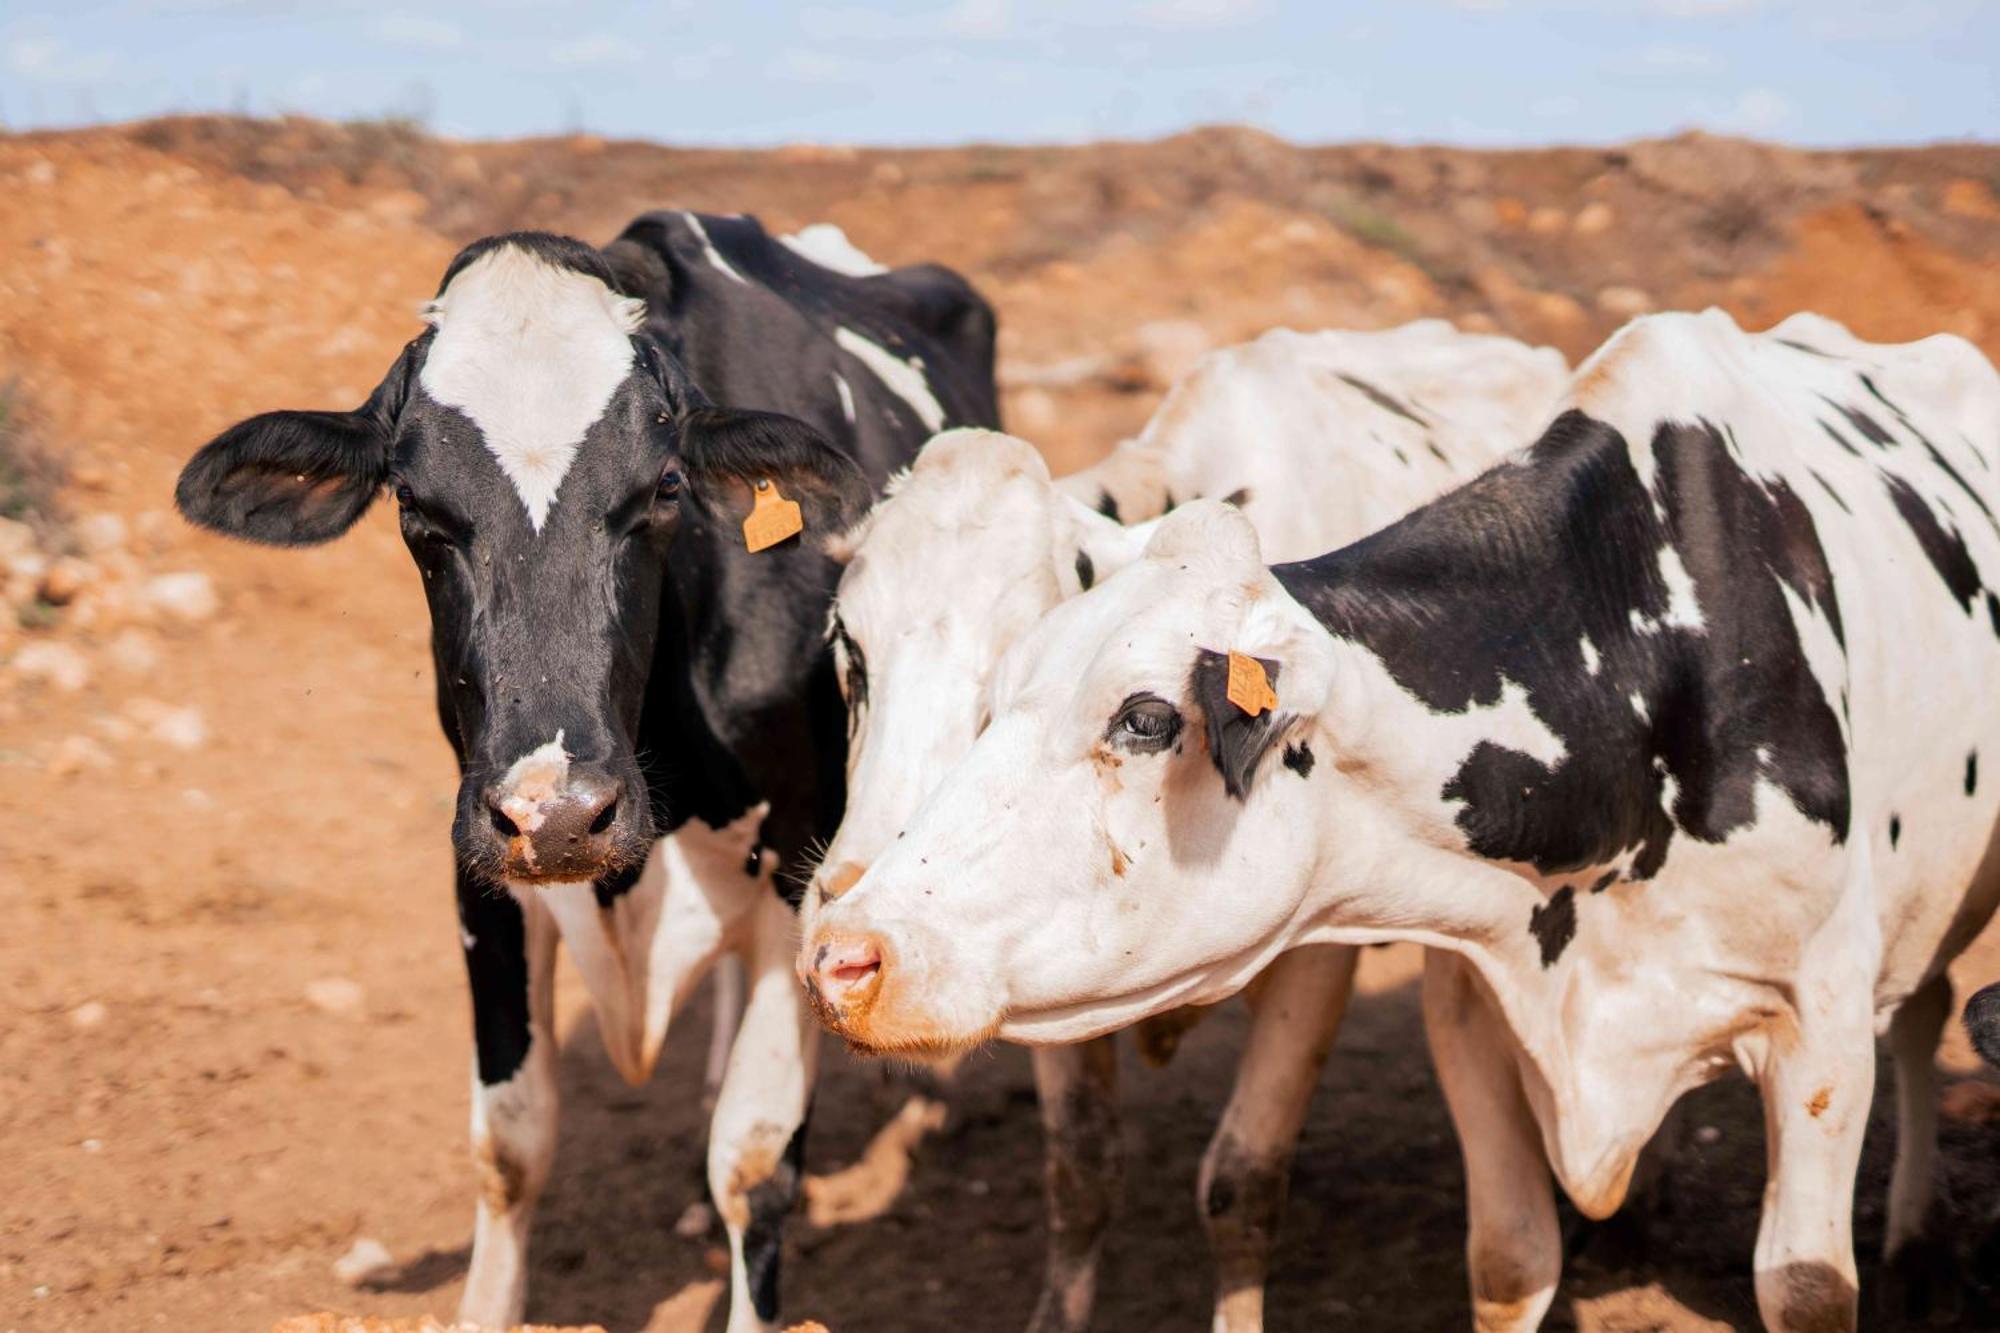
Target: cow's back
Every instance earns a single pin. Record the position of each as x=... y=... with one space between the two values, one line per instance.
x=1331 y=434
x=1861 y=481
x=876 y=359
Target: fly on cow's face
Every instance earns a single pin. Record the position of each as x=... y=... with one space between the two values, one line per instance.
x=1144 y=724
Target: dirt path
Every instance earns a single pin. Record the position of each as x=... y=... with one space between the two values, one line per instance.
x=233 y=1029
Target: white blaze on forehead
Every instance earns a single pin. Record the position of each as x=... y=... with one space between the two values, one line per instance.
x=708 y=249
x=903 y=378
x=827 y=245
x=535 y=779
x=531 y=352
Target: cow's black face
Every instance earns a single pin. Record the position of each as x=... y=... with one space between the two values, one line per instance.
x=545 y=455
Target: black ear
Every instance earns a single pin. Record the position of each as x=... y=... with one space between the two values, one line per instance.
x=295 y=478
x=720 y=446
x=1236 y=740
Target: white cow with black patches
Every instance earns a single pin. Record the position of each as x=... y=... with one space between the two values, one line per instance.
x=642 y=705
x=1745 y=828
x=1318 y=438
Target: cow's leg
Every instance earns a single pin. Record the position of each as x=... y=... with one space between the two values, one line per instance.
x=1078 y=1086
x=1295 y=1012
x=1917 y=1260
x=757 y=1138
x=1817 y=1086
x=510 y=949
x=1513 y=1244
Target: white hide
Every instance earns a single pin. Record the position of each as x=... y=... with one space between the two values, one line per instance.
x=902 y=377
x=827 y=245
x=1287 y=418
x=531 y=352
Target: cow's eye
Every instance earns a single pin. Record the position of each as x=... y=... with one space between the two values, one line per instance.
x=670 y=485
x=1145 y=724
x=404 y=495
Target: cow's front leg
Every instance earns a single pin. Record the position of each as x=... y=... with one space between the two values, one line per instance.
x=1296 y=1009
x=1078 y=1087
x=510 y=951
x=1513 y=1246
x=1817 y=1085
x=757 y=1139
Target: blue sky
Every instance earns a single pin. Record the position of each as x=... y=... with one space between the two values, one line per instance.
x=1483 y=72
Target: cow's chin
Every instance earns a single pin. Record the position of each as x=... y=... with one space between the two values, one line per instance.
x=885 y=1022
x=1067 y=1024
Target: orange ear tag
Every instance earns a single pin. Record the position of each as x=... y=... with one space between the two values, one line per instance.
x=1249 y=688
x=772 y=518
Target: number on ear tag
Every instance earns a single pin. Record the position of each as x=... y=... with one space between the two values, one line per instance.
x=1249 y=688
x=772 y=517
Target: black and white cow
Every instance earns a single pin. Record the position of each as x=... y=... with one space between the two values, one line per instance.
x=1319 y=438
x=575 y=443
x=1664 y=734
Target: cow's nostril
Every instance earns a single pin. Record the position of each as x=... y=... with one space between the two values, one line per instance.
x=502 y=825
x=853 y=964
x=605 y=816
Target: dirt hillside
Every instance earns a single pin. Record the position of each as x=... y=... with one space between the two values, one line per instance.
x=233 y=1032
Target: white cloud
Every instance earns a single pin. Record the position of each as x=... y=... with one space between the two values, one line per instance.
x=1197 y=13
x=796 y=64
x=1758 y=111
x=593 y=49
x=416 y=32
x=980 y=18
x=51 y=60
x=1703 y=9
x=1679 y=60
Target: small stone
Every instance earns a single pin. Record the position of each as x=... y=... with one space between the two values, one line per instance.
x=1624 y=302
x=1593 y=219
x=89 y=1014
x=188 y=597
x=1547 y=221
x=92 y=1146
x=98 y=533
x=76 y=754
x=29 y=564
x=335 y=995
x=16 y=538
x=695 y=1221
x=365 y=1258
x=183 y=728
x=1708 y=1135
x=65 y=578
x=135 y=651
x=53 y=663
x=715 y=1259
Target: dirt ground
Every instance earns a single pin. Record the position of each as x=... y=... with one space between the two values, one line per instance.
x=233 y=1028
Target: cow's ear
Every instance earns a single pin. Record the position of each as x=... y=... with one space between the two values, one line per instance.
x=1237 y=738
x=727 y=453
x=294 y=478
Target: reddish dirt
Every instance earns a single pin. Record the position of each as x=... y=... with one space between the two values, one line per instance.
x=198 y=1151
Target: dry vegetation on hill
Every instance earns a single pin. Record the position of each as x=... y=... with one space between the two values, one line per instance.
x=236 y=1031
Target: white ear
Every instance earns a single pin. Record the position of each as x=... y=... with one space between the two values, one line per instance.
x=1209 y=530
x=992 y=455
